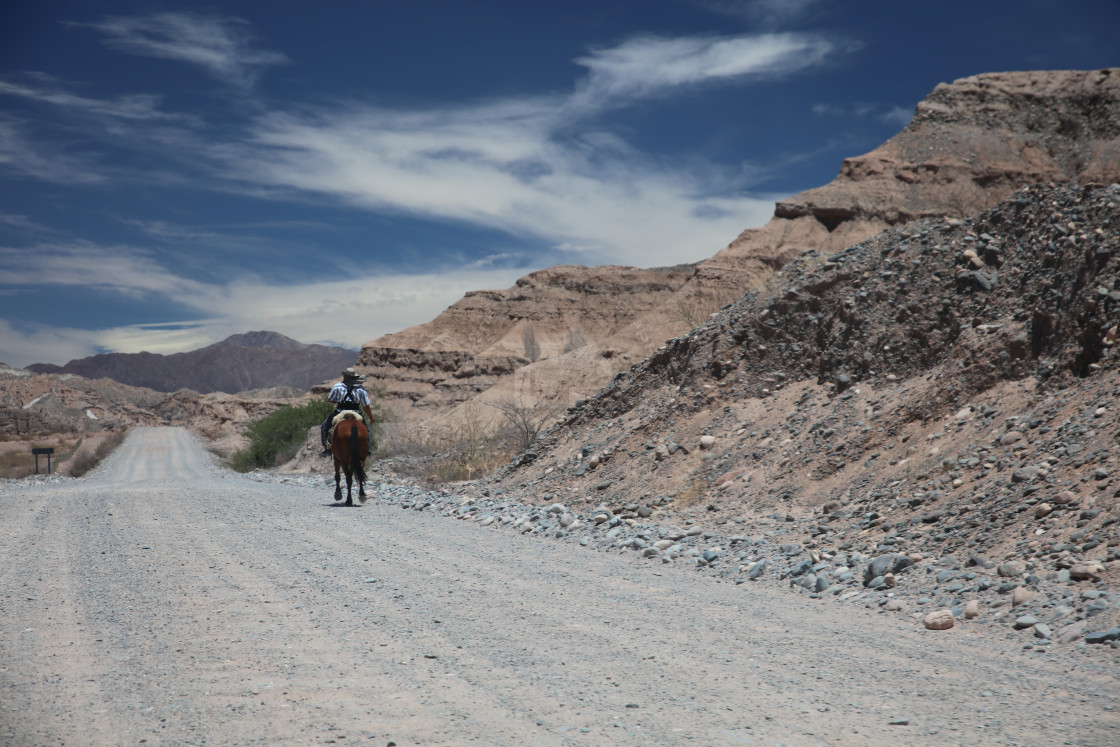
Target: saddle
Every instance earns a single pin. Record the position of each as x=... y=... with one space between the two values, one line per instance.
x=344 y=415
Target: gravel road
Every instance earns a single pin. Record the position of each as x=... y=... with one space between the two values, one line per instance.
x=163 y=600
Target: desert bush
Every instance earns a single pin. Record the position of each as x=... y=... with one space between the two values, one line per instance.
x=521 y=423
x=16 y=464
x=463 y=450
x=279 y=434
x=470 y=447
x=85 y=461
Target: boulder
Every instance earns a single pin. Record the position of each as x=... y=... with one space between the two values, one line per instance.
x=939 y=620
x=884 y=564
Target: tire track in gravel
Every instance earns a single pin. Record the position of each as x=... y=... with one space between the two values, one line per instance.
x=186 y=605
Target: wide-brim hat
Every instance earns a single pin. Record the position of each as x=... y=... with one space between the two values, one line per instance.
x=350 y=376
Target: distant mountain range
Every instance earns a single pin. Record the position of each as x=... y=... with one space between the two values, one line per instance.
x=255 y=360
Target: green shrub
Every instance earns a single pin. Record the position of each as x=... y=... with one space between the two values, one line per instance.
x=276 y=438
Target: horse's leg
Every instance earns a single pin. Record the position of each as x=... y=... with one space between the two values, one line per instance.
x=337 y=484
x=349 y=480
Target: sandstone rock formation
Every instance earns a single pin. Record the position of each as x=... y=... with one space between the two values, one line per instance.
x=557 y=334
x=970 y=144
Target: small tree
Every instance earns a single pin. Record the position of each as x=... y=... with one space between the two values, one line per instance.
x=523 y=423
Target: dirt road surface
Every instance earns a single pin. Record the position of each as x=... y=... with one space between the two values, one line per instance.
x=162 y=600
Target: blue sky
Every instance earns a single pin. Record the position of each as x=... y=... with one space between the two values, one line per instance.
x=171 y=174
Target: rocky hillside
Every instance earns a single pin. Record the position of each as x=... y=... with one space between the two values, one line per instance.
x=256 y=360
x=948 y=388
x=558 y=333
x=563 y=332
x=33 y=403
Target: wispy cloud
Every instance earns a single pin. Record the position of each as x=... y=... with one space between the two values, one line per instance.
x=38 y=159
x=137 y=106
x=25 y=224
x=541 y=167
x=892 y=115
x=513 y=165
x=654 y=65
x=122 y=271
x=219 y=44
x=359 y=308
x=502 y=167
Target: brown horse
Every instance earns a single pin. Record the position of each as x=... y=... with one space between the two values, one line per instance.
x=349 y=445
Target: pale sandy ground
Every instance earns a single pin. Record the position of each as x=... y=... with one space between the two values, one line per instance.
x=163 y=601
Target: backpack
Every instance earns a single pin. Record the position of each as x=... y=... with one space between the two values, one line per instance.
x=350 y=402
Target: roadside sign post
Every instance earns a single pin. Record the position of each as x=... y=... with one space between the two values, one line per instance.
x=48 y=450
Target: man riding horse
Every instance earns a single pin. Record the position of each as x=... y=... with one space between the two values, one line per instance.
x=348 y=394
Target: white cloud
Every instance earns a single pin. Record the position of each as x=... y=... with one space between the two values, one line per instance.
x=42 y=161
x=136 y=106
x=348 y=312
x=896 y=115
x=513 y=165
x=123 y=271
x=653 y=65
x=25 y=224
x=503 y=167
x=219 y=44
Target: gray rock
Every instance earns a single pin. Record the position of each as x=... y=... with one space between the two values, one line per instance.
x=1103 y=636
x=801 y=568
x=884 y=564
x=758 y=569
x=1010 y=569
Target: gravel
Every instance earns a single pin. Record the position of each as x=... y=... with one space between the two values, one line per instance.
x=164 y=600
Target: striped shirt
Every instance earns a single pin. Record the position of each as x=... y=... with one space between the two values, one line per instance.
x=358 y=396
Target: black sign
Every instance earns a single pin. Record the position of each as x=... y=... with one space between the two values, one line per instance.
x=44 y=450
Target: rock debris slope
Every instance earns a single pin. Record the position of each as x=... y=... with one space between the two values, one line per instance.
x=946 y=393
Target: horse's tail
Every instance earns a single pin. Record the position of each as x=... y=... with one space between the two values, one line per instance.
x=356 y=453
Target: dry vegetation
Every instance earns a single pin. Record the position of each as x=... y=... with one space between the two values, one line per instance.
x=75 y=454
x=84 y=461
x=468 y=448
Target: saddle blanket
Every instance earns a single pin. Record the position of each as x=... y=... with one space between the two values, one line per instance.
x=344 y=415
